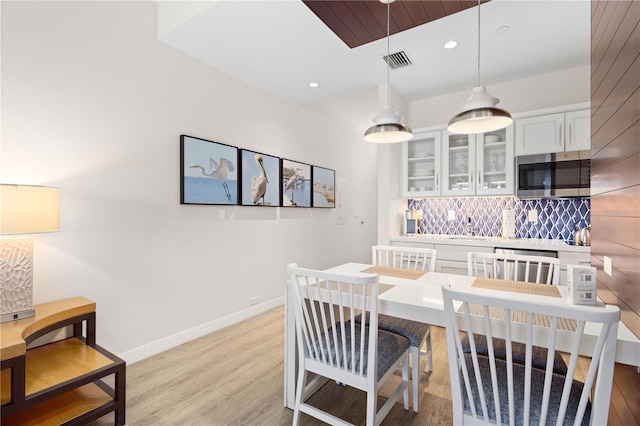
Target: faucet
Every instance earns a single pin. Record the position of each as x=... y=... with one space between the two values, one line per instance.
x=470 y=231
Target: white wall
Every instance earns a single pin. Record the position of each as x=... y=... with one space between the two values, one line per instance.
x=93 y=103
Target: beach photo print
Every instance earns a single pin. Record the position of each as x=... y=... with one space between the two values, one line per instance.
x=324 y=182
x=296 y=184
x=260 y=179
x=208 y=172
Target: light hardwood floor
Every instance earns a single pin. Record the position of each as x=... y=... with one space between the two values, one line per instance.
x=235 y=377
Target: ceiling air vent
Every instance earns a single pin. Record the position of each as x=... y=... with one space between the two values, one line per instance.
x=397 y=60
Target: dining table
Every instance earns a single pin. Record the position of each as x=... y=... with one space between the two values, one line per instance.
x=417 y=295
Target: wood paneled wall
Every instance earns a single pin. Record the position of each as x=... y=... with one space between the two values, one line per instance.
x=615 y=153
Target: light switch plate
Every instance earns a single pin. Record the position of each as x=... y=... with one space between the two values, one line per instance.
x=222 y=214
x=608 y=266
x=533 y=216
x=452 y=215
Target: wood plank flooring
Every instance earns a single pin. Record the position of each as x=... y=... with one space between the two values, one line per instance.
x=235 y=377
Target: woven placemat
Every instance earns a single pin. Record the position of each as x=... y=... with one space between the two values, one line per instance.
x=516 y=287
x=518 y=316
x=394 y=272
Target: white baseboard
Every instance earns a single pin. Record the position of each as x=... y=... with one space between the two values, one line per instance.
x=142 y=352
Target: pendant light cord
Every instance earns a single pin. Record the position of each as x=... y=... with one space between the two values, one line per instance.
x=478 y=43
x=387 y=61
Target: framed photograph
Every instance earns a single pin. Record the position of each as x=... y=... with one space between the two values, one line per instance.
x=296 y=184
x=259 y=179
x=324 y=187
x=208 y=172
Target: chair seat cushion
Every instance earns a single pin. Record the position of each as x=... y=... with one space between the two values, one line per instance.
x=390 y=348
x=518 y=352
x=413 y=330
x=537 y=386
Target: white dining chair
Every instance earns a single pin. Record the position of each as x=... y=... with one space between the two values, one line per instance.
x=489 y=390
x=418 y=333
x=537 y=269
x=419 y=259
x=332 y=345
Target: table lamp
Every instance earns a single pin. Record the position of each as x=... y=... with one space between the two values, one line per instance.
x=24 y=209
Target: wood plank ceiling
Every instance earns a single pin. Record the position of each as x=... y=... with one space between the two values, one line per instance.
x=357 y=22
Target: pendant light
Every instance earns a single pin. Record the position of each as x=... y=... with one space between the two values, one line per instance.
x=479 y=113
x=388 y=127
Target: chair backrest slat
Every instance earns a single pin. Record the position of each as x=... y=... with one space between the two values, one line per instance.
x=537 y=269
x=416 y=258
x=497 y=390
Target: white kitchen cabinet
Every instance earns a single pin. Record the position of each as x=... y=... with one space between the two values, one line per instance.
x=421 y=165
x=578 y=124
x=495 y=163
x=458 y=164
x=553 y=132
x=479 y=164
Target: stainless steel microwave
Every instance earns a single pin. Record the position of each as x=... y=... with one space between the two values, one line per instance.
x=561 y=174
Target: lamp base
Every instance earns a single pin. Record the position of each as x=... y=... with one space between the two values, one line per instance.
x=16 y=278
x=17 y=315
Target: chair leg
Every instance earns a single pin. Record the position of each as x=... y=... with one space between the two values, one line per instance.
x=415 y=375
x=419 y=360
x=405 y=379
x=302 y=378
x=429 y=353
x=372 y=407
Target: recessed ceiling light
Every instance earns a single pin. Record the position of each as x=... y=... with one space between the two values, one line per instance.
x=313 y=84
x=450 y=44
x=503 y=29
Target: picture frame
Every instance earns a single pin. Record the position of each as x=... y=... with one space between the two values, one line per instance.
x=296 y=183
x=259 y=179
x=324 y=187
x=208 y=172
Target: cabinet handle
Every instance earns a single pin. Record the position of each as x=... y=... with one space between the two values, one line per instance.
x=437 y=181
x=479 y=179
x=560 y=142
x=570 y=141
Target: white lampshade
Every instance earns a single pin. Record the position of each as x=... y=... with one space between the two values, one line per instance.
x=27 y=209
x=480 y=114
x=388 y=128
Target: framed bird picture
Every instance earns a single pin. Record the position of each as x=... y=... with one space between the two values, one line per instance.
x=296 y=184
x=259 y=179
x=208 y=172
x=324 y=187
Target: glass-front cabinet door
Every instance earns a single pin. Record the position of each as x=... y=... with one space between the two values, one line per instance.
x=495 y=162
x=458 y=164
x=421 y=165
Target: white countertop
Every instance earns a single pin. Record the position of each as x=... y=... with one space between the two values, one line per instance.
x=520 y=243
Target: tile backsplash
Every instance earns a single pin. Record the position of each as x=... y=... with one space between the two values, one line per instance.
x=556 y=217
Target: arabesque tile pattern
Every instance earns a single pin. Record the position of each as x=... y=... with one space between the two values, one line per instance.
x=556 y=217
